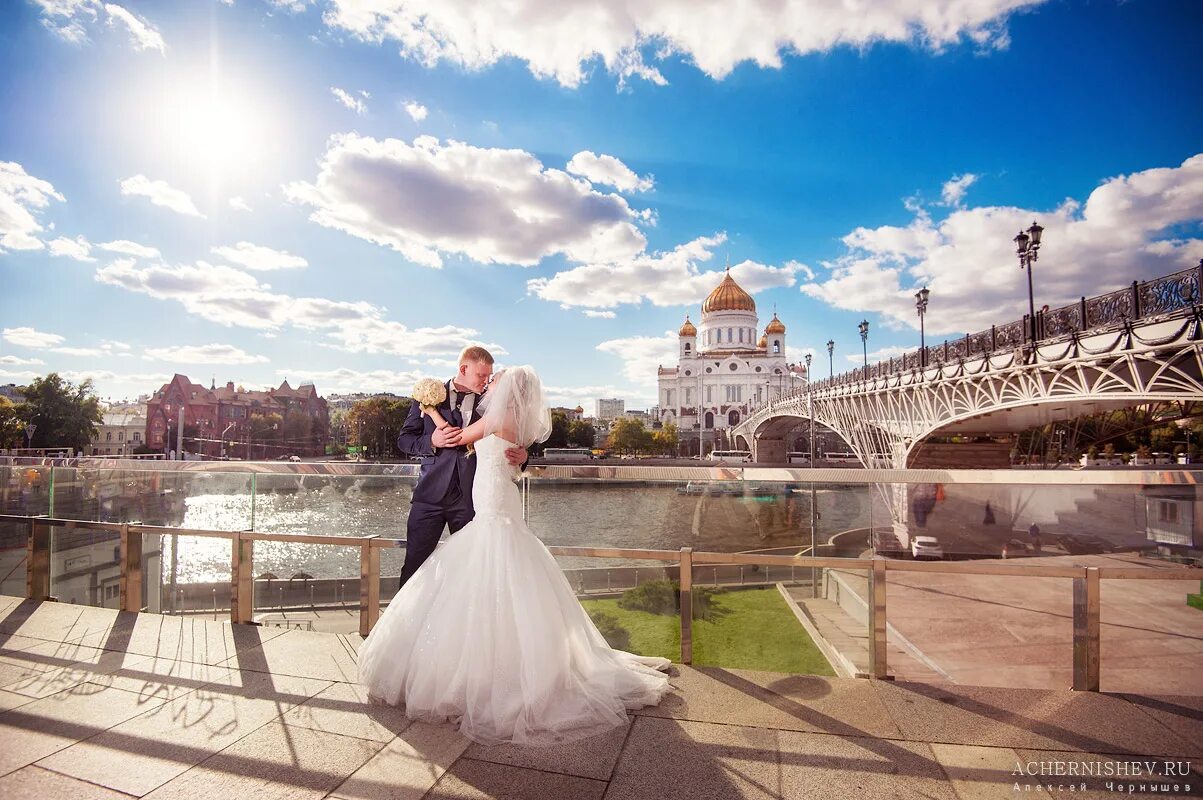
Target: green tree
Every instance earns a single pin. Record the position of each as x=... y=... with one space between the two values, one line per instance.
x=375 y=424
x=63 y=414
x=627 y=435
x=581 y=434
x=666 y=439
x=559 y=431
x=12 y=430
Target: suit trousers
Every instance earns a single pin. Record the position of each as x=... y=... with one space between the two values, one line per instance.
x=425 y=527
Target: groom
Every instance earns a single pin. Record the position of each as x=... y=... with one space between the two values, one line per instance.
x=443 y=494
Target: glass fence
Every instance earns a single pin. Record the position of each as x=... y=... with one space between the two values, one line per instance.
x=986 y=572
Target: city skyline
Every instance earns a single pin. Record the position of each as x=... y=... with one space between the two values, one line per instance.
x=261 y=191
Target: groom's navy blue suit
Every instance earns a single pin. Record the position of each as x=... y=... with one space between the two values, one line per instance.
x=443 y=494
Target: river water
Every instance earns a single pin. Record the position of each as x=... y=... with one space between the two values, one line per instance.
x=641 y=516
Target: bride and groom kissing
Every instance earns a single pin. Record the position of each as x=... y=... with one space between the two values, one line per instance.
x=485 y=631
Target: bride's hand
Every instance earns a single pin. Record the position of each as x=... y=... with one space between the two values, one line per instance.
x=446 y=437
x=516 y=456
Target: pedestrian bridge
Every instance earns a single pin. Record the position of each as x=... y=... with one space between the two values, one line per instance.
x=1137 y=345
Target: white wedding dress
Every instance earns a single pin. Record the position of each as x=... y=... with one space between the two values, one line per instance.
x=489 y=634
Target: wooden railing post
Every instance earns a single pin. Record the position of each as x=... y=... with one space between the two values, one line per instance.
x=877 y=619
x=369 y=586
x=686 y=610
x=242 y=579
x=37 y=562
x=1086 y=631
x=131 y=569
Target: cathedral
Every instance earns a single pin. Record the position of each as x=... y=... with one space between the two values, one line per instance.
x=726 y=369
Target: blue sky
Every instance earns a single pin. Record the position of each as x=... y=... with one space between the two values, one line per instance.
x=348 y=192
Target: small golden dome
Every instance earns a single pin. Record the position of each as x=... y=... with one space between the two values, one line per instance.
x=763 y=344
x=727 y=296
x=687 y=329
x=775 y=326
x=579 y=410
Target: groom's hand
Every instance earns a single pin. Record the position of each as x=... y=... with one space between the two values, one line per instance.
x=516 y=456
x=446 y=437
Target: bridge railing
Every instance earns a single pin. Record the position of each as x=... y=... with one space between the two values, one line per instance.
x=1167 y=295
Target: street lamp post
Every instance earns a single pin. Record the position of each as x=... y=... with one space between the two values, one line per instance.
x=921 y=307
x=1027 y=247
x=863 y=327
x=830 y=355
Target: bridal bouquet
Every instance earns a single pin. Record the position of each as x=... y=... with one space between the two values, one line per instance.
x=429 y=393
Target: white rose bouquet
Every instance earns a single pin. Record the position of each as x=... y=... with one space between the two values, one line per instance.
x=429 y=393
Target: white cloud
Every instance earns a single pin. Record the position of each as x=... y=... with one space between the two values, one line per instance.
x=239 y=204
x=77 y=248
x=416 y=110
x=589 y=312
x=291 y=6
x=144 y=35
x=954 y=190
x=350 y=381
x=15 y=361
x=882 y=354
x=349 y=100
x=28 y=337
x=257 y=257
x=203 y=354
x=1129 y=228
x=21 y=195
x=666 y=279
x=563 y=40
x=608 y=170
x=126 y=247
x=641 y=355
x=586 y=396
x=231 y=297
x=429 y=199
x=78 y=351
x=70 y=20
x=161 y=194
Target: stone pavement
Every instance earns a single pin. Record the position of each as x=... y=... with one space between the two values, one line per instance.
x=100 y=704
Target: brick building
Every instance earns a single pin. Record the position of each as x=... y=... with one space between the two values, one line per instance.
x=237 y=420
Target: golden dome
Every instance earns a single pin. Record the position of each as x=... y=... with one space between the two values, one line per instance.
x=775 y=326
x=687 y=329
x=763 y=344
x=727 y=296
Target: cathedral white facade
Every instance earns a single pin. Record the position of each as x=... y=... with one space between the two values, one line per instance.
x=726 y=367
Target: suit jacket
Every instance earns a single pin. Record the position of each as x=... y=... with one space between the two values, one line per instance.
x=438 y=465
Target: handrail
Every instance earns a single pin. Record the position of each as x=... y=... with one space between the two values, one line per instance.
x=1086 y=589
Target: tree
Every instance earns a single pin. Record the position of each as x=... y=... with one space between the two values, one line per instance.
x=581 y=434
x=12 y=433
x=627 y=435
x=375 y=424
x=63 y=414
x=559 y=430
x=666 y=439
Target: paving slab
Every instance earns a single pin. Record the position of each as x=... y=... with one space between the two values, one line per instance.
x=594 y=757
x=301 y=653
x=481 y=780
x=184 y=638
x=407 y=767
x=1181 y=714
x=276 y=761
x=157 y=746
x=35 y=782
x=79 y=665
x=770 y=700
x=1032 y=718
x=58 y=622
x=37 y=729
x=344 y=708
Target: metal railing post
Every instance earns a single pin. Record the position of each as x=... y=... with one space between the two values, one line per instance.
x=131 y=569
x=1086 y=631
x=37 y=562
x=877 y=619
x=369 y=586
x=686 y=610
x=242 y=579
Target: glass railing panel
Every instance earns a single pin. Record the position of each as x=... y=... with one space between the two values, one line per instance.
x=307 y=586
x=635 y=605
x=13 y=539
x=191 y=499
x=25 y=490
x=1150 y=636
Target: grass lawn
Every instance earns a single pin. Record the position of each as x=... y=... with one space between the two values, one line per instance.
x=749 y=629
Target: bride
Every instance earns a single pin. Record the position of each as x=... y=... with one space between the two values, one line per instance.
x=488 y=632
